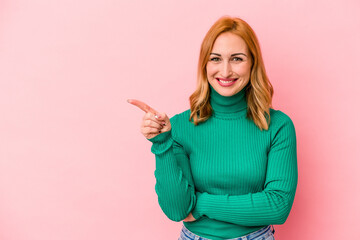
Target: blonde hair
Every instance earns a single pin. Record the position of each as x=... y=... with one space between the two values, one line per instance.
x=259 y=90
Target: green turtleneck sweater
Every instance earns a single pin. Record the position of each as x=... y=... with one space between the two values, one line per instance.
x=233 y=177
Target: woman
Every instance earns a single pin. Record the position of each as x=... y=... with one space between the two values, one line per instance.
x=227 y=166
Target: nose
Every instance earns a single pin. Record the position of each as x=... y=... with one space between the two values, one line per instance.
x=226 y=69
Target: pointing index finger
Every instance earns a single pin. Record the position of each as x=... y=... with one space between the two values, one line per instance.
x=143 y=106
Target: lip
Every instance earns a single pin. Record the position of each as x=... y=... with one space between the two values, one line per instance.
x=226 y=79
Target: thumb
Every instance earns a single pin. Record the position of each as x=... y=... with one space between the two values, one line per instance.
x=161 y=116
x=158 y=116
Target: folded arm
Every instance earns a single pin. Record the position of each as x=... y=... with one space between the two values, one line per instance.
x=273 y=204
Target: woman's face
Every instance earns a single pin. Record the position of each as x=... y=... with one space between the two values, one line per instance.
x=229 y=65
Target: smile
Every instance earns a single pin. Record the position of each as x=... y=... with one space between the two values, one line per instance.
x=226 y=82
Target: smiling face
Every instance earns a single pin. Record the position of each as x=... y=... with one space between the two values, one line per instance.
x=229 y=65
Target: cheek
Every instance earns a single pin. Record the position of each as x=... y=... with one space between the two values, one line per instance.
x=243 y=70
x=210 y=70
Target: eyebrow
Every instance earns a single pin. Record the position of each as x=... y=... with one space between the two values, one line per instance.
x=231 y=54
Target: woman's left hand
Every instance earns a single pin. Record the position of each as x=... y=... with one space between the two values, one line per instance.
x=189 y=218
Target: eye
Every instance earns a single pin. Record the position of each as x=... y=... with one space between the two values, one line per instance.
x=237 y=59
x=215 y=59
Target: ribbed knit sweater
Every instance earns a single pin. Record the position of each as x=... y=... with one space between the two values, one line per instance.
x=233 y=177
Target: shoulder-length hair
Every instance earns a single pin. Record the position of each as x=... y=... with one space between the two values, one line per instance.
x=259 y=90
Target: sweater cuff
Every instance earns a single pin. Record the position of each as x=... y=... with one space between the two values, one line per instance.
x=161 y=142
x=199 y=209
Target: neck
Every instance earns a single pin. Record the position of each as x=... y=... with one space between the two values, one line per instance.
x=228 y=106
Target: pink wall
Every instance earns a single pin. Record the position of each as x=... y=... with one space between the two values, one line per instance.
x=73 y=163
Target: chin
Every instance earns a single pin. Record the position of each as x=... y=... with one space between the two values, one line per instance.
x=226 y=92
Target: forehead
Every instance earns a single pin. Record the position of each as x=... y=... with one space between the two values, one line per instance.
x=228 y=43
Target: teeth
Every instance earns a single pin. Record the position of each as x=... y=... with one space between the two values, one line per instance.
x=226 y=81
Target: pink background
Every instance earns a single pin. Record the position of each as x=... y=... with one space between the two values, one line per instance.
x=73 y=163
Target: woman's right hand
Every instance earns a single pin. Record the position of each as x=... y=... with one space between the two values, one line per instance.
x=153 y=122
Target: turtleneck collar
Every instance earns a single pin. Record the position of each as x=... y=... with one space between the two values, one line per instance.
x=234 y=106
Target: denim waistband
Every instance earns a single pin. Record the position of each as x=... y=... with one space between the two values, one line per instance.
x=246 y=237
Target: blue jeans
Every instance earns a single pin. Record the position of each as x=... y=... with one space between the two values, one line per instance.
x=265 y=233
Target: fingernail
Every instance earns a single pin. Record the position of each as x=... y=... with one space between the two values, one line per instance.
x=156 y=116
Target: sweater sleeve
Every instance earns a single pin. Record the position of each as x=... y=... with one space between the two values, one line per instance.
x=273 y=204
x=174 y=184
